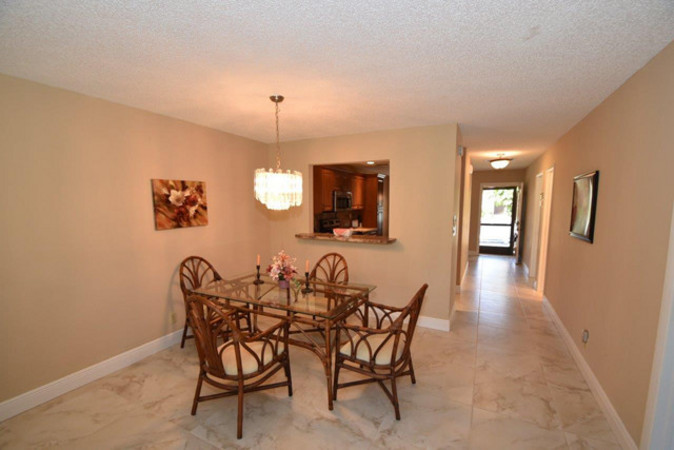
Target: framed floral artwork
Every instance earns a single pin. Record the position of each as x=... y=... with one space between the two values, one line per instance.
x=179 y=204
x=584 y=206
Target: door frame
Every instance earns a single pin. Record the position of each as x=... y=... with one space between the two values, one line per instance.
x=516 y=184
x=536 y=228
x=657 y=430
x=544 y=230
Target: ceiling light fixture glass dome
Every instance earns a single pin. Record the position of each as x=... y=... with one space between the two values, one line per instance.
x=500 y=162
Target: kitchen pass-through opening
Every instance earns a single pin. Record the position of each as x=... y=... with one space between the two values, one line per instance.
x=352 y=195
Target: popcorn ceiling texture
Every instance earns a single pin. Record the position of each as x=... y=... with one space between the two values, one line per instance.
x=515 y=74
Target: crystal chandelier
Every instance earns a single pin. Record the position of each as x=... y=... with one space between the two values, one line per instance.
x=276 y=189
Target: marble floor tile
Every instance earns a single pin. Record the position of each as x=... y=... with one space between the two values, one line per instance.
x=501 y=305
x=579 y=413
x=543 y=326
x=521 y=366
x=563 y=373
x=446 y=351
x=498 y=288
x=529 y=402
x=501 y=378
x=444 y=427
x=464 y=325
x=509 y=321
x=584 y=443
x=453 y=384
x=467 y=304
x=506 y=340
x=490 y=430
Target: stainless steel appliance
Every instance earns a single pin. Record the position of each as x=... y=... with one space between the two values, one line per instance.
x=341 y=200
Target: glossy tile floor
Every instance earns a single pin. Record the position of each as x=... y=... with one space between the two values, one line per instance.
x=502 y=378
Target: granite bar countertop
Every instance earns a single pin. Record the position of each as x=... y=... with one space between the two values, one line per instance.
x=357 y=239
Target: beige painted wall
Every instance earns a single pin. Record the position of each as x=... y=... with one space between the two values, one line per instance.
x=614 y=287
x=486 y=176
x=84 y=274
x=465 y=210
x=421 y=209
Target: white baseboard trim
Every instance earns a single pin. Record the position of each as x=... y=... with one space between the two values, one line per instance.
x=20 y=403
x=624 y=437
x=433 y=323
x=526 y=269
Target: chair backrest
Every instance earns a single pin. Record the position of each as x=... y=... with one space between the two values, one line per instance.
x=332 y=268
x=210 y=323
x=195 y=272
x=216 y=333
x=411 y=315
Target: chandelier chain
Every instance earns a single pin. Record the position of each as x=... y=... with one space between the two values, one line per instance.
x=278 y=142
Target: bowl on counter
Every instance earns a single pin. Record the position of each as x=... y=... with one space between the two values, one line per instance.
x=343 y=232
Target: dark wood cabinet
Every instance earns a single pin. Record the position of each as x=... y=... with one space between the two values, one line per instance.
x=371 y=201
x=325 y=181
x=358 y=191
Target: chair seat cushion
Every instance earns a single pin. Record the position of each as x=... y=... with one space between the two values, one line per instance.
x=363 y=353
x=248 y=362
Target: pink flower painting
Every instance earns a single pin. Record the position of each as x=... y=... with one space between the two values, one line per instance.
x=179 y=204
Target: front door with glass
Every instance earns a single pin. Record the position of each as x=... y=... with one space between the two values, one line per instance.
x=497 y=220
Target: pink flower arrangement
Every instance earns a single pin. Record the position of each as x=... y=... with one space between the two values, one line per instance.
x=282 y=267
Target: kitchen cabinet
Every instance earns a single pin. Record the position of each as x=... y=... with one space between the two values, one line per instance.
x=325 y=181
x=371 y=202
x=329 y=184
x=358 y=191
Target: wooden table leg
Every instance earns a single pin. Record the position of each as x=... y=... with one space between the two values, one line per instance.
x=327 y=362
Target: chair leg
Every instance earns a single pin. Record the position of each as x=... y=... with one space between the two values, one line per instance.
x=394 y=392
x=195 y=403
x=338 y=365
x=239 y=417
x=414 y=380
x=182 y=341
x=289 y=377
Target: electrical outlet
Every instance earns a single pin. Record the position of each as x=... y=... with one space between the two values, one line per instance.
x=585 y=337
x=173 y=318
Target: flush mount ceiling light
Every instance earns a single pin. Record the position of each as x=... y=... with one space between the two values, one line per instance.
x=276 y=189
x=500 y=162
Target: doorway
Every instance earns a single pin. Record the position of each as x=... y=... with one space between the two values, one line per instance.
x=541 y=228
x=548 y=178
x=498 y=220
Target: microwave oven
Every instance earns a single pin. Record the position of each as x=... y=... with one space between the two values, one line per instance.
x=341 y=200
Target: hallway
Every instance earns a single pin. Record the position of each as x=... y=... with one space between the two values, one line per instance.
x=528 y=391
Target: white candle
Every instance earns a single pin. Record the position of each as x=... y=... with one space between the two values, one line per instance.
x=306 y=266
x=258 y=259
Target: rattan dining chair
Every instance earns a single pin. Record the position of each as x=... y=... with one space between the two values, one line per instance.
x=244 y=362
x=381 y=352
x=332 y=268
x=196 y=272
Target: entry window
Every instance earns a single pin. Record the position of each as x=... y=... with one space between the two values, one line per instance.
x=497 y=220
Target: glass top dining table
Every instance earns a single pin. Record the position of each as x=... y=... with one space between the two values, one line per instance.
x=325 y=300
x=312 y=311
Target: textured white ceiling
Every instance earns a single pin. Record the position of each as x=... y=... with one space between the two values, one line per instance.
x=515 y=74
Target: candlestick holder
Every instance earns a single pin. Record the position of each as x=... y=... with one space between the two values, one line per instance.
x=307 y=289
x=257 y=277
